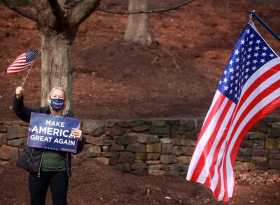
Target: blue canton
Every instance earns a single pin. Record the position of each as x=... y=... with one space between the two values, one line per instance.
x=30 y=56
x=250 y=53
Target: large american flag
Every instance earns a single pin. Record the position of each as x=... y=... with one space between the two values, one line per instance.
x=24 y=61
x=248 y=90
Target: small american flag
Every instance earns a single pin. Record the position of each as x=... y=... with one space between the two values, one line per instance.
x=248 y=90
x=24 y=61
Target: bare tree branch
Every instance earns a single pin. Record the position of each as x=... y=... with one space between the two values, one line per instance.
x=208 y=8
x=21 y=11
x=173 y=58
x=101 y=8
x=57 y=12
x=81 y=10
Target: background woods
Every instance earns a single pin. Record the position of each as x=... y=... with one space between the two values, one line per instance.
x=114 y=79
x=58 y=22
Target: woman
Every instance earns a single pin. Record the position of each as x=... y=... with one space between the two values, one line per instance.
x=47 y=167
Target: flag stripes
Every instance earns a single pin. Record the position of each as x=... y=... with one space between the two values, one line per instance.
x=227 y=123
x=24 y=61
x=211 y=139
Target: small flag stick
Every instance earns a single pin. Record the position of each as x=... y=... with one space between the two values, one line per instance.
x=29 y=69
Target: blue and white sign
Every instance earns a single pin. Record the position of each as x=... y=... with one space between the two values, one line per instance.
x=52 y=132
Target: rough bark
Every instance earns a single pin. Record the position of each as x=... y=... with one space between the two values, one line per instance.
x=139 y=28
x=57 y=38
x=56 y=69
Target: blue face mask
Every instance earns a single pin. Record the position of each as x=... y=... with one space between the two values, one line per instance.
x=57 y=104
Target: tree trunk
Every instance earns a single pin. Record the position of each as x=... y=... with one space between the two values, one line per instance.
x=58 y=22
x=139 y=29
x=56 y=70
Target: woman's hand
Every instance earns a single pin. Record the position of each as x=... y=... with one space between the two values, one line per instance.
x=19 y=92
x=77 y=133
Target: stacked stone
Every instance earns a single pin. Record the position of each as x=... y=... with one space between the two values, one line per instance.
x=260 y=148
x=12 y=139
x=157 y=147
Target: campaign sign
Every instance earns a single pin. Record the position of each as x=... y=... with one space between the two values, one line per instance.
x=52 y=132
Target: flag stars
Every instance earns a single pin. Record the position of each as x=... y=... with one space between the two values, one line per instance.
x=249 y=55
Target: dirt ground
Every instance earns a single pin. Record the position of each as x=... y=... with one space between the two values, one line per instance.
x=115 y=80
x=95 y=183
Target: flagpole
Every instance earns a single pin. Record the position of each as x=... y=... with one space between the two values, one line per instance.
x=266 y=26
x=30 y=68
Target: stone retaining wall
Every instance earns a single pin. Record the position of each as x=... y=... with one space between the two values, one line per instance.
x=156 y=146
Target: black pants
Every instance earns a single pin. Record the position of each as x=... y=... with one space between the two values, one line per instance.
x=38 y=187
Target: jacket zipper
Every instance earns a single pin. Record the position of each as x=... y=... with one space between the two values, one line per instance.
x=67 y=168
x=30 y=155
x=40 y=163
